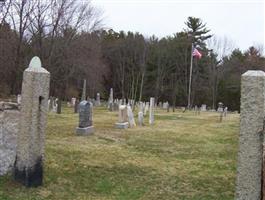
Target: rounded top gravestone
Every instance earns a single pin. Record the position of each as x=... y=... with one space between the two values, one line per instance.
x=85 y=114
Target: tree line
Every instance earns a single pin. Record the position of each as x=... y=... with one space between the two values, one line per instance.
x=73 y=45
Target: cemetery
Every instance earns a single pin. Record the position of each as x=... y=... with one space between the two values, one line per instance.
x=89 y=112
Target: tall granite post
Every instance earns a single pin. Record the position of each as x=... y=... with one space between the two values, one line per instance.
x=30 y=142
x=249 y=168
x=84 y=91
x=151 y=110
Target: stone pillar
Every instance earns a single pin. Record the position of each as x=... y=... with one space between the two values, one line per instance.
x=84 y=91
x=85 y=118
x=249 y=168
x=30 y=142
x=151 y=110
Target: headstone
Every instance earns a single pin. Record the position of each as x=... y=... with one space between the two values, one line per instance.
x=197 y=110
x=51 y=102
x=59 y=106
x=203 y=108
x=76 y=106
x=220 y=110
x=110 y=102
x=130 y=116
x=220 y=107
x=19 y=98
x=73 y=101
x=151 y=110
x=85 y=126
x=31 y=138
x=84 y=91
x=249 y=167
x=123 y=118
x=140 y=118
x=54 y=105
x=225 y=111
x=146 y=108
x=98 y=99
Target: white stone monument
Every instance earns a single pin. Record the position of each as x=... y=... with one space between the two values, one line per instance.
x=130 y=116
x=151 y=111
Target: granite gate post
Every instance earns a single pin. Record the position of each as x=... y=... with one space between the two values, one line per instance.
x=30 y=142
x=249 y=168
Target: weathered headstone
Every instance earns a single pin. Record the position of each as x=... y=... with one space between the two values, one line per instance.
x=31 y=137
x=151 y=110
x=130 y=116
x=76 y=106
x=140 y=118
x=98 y=99
x=249 y=168
x=203 y=108
x=19 y=98
x=85 y=126
x=73 y=101
x=146 y=108
x=59 y=106
x=123 y=118
x=225 y=111
x=110 y=102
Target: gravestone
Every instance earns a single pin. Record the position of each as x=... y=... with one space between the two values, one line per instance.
x=123 y=118
x=98 y=99
x=54 y=105
x=110 y=102
x=249 y=167
x=31 y=138
x=73 y=101
x=140 y=118
x=59 y=106
x=146 y=108
x=85 y=126
x=225 y=111
x=19 y=98
x=151 y=111
x=203 y=108
x=76 y=106
x=130 y=116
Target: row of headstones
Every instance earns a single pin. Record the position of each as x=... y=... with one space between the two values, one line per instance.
x=126 y=117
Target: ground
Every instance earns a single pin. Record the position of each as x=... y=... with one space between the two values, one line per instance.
x=182 y=156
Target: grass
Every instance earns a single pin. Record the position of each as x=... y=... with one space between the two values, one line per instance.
x=182 y=156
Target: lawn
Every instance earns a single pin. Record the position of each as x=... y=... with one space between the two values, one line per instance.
x=182 y=156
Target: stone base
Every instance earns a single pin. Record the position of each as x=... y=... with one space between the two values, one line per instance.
x=122 y=125
x=30 y=177
x=85 y=131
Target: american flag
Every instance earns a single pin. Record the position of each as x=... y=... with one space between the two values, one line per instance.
x=196 y=53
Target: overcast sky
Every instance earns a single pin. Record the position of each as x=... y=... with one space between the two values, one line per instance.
x=240 y=20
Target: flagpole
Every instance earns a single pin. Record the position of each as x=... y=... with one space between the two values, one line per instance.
x=191 y=60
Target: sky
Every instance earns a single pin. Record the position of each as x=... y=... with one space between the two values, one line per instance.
x=241 y=21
